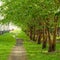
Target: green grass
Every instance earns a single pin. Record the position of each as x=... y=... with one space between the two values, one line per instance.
x=6 y=44
x=35 y=51
x=58 y=37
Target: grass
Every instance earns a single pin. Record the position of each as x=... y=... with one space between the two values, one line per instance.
x=6 y=44
x=35 y=51
x=58 y=37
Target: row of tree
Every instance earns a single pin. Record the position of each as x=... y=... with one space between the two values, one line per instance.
x=45 y=31
x=38 y=18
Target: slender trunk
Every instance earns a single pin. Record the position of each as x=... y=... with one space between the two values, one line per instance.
x=50 y=42
x=28 y=33
x=39 y=37
x=34 y=34
x=49 y=37
x=54 y=33
x=31 y=32
x=44 y=39
x=54 y=40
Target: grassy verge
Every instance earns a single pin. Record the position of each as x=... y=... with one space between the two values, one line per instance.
x=6 y=44
x=35 y=51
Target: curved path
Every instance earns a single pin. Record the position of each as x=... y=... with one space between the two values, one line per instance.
x=18 y=52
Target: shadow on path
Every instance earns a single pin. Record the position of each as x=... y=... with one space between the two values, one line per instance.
x=18 y=52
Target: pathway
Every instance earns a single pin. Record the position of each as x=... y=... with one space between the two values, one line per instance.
x=18 y=52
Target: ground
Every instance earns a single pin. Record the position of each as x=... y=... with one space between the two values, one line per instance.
x=33 y=50
x=18 y=52
x=7 y=42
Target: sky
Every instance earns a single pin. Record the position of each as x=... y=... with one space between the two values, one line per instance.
x=1 y=3
x=2 y=17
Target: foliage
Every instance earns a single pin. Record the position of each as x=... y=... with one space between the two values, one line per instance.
x=24 y=13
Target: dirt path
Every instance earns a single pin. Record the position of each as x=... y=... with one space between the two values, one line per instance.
x=18 y=52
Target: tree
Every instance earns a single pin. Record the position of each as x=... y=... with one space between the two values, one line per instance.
x=33 y=16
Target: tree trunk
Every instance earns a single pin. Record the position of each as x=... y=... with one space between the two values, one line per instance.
x=34 y=34
x=44 y=39
x=54 y=33
x=39 y=37
x=54 y=41
x=31 y=32
x=49 y=37
x=50 y=42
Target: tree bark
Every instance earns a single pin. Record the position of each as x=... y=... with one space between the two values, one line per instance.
x=50 y=42
x=44 y=39
x=54 y=33
x=34 y=34
x=31 y=32
x=39 y=37
x=49 y=37
x=54 y=41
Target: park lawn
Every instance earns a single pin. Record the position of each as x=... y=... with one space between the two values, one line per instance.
x=35 y=51
x=6 y=44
